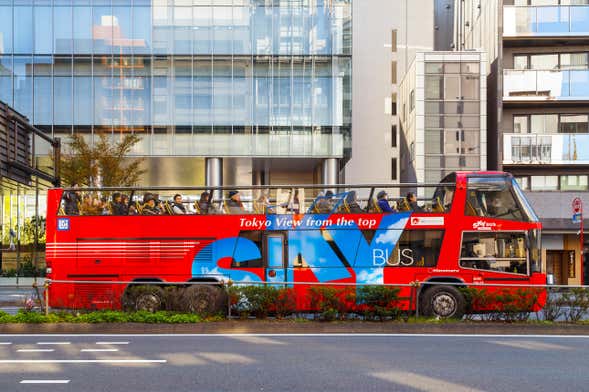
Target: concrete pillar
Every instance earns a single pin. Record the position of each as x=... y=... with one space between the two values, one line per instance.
x=214 y=174
x=257 y=177
x=330 y=171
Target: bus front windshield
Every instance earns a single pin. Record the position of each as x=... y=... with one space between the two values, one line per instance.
x=497 y=197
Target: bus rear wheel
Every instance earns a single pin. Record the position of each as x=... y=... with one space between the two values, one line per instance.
x=443 y=302
x=143 y=298
x=204 y=300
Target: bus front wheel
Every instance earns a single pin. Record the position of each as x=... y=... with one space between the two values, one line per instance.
x=443 y=302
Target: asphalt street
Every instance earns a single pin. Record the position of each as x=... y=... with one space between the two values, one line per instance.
x=292 y=363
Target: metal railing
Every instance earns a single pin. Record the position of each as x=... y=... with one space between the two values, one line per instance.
x=482 y=301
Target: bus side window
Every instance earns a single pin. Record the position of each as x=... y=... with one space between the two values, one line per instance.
x=497 y=251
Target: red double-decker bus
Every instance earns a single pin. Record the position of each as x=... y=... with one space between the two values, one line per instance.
x=472 y=228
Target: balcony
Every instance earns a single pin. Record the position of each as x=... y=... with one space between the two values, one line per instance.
x=546 y=149
x=540 y=85
x=545 y=21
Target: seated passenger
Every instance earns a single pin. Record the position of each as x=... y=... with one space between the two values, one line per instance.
x=203 y=203
x=325 y=204
x=263 y=205
x=177 y=206
x=72 y=200
x=412 y=201
x=383 y=203
x=234 y=204
x=149 y=205
x=352 y=203
x=118 y=206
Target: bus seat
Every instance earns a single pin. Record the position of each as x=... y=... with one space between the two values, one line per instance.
x=437 y=206
x=403 y=205
x=196 y=207
x=139 y=207
x=372 y=207
x=167 y=209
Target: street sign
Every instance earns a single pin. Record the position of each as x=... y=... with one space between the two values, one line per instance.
x=577 y=205
x=577 y=218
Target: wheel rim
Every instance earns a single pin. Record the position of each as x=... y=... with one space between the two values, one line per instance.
x=444 y=305
x=148 y=302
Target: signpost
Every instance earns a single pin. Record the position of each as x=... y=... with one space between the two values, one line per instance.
x=578 y=218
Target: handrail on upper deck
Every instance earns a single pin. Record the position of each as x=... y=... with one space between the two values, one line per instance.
x=262 y=187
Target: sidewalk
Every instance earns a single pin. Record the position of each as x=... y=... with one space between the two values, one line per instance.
x=297 y=327
x=22 y=282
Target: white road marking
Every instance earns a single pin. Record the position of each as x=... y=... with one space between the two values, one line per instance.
x=422 y=383
x=5 y=343
x=531 y=345
x=53 y=343
x=45 y=381
x=108 y=343
x=35 y=350
x=83 y=361
x=92 y=350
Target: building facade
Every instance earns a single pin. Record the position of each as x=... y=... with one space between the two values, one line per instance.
x=386 y=39
x=538 y=109
x=442 y=111
x=220 y=91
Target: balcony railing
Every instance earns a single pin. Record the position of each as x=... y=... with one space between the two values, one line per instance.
x=545 y=21
x=545 y=85
x=530 y=149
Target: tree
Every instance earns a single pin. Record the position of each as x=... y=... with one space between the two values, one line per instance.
x=105 y=159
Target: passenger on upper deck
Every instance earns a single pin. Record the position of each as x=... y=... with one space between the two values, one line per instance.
x=149 y=205
x=412 y=201
x=234 y=203
x=118 y=206
x=177 y=206
x=203 y=204
x=324 y=205
x=383 y=202
x=72 y=199
x=352 y=203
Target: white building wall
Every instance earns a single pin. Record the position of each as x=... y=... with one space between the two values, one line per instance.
x=372 y=85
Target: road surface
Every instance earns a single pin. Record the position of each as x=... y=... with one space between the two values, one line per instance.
x=292 y=363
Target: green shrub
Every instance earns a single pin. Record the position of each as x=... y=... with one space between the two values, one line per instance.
x=577 y=301
x=554 y=307
x=332 y=302
x=257 y=300
x=379 y=302
x=505 y=304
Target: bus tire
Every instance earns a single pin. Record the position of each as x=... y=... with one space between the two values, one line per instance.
x=204 y=300
x=443 y=302
x=148 y=298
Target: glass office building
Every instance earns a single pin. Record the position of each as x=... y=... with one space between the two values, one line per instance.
x=196 y=78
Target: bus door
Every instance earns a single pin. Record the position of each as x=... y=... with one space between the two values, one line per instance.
x=276 y=257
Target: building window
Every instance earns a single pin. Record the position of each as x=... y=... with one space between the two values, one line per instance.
x=394 y=104
x=394 y=169
x=544 y=183
x=411 y=101
x=394 y=41
x=394 y=72
x=523 y=182
x=551 y=123
x=573 y=183
x=394 y=135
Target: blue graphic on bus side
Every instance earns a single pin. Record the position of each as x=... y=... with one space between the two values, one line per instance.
x=326 y=252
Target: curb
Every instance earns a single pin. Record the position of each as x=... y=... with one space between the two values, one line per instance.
x=295 y=327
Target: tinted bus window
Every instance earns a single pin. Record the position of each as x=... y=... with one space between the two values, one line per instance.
x=497 y=251
x=417 y=248
x=492 y=197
